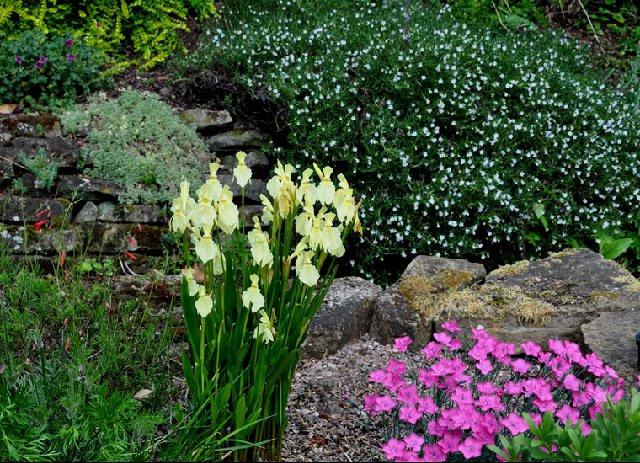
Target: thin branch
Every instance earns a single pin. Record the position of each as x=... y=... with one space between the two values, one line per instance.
x=593 y=29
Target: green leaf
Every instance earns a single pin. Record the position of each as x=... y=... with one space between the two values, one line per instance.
x=614 y=248
x=540 y=211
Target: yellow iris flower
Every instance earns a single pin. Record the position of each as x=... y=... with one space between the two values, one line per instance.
x=307 y=272
x=192 y=286
x=344 y=202
x=282 y=189
x=326 y=188
x=252 y=298
x=265 y=330
x=181 y=208
x=307 y=192
x=241 y=172
x=204 y=304
x=227 y=211
x=259 y=242
x=267 y=210
x=205 y=248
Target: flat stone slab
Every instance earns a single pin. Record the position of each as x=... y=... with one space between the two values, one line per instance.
x=87 y=188
x=62 y=151
x=88 y=213
x=134 y=213
x=612 y=337
x=47 y=241
x=207 y=121
x=25 y=209
x=27 y=125
x=236 y=140
x=115 y=238
x=345 y=315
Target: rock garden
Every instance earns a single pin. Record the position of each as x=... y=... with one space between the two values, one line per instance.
x=336 y=231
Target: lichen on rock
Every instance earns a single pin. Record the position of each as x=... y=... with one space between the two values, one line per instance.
x=511 y=269
x=420 y=291
x=495 y=304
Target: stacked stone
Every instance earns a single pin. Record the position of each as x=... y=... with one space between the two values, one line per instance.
x=81 y=214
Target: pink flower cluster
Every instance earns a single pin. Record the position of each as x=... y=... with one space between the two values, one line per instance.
x=464 y=397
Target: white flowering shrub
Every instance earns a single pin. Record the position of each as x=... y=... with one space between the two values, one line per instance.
x=462 y=141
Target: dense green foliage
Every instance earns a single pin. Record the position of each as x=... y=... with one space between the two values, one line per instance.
x=613 y=437
x=137 y=141
x=72 y=359
x=46 y=71
x=617 y=19
x=463 y=141
x=44 y=169
x=150 y=28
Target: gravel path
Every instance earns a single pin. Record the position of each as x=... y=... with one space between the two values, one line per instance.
x=326 y=420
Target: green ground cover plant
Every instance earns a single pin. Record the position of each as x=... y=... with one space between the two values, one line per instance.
x=90 y=374
x=598 y=20
x=72 y=359
x=45 y=72
x=462 y=141
x=45 y=170
x=138 y=142
x=613 y=437
x=148 y=28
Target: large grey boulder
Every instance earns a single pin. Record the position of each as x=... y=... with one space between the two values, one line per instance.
x=556 y=295
x=344 y=316
x=612 y=336
x=530 y=300
x=404 y=309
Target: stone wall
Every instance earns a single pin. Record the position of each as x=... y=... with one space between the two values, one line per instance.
x=81 y=214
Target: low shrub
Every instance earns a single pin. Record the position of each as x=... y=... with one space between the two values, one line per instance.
x=138 y=142
x=42 y=72
x=471 y=390
x=42 y=167
x=149 y=28
x=613 y=436
x=601 y=21
x=462 y=141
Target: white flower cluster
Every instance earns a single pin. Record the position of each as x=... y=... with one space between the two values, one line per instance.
x=454 y=139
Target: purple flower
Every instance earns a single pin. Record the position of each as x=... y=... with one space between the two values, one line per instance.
x=69 y=43
x=71 y=57
x=42 y=60
x=18 y=59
